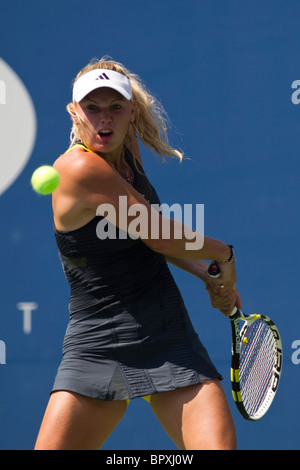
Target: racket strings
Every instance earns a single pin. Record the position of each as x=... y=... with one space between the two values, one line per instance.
x=256 y=365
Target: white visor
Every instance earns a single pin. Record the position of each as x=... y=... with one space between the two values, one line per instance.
x=98 y=78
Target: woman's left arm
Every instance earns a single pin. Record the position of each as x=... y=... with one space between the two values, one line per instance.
x=196 y=267
x=220 y=298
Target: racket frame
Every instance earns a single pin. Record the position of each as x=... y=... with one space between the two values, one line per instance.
x=237 y=337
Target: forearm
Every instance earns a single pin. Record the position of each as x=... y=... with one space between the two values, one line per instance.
x=183 y=242
x=196 y=267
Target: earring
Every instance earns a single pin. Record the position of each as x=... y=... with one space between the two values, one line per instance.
x=134 y=126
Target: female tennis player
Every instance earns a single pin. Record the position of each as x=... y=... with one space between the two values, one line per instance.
x=129 y=334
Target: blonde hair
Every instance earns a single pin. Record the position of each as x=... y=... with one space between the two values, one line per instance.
x=151 y=121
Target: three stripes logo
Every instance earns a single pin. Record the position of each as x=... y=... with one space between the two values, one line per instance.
x=103 y=76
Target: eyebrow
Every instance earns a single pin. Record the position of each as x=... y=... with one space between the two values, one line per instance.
x=112 y=101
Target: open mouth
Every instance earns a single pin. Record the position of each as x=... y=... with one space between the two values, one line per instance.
x=105 y=134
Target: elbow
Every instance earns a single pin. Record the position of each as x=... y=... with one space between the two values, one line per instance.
x=160 y=246
x=157 y=236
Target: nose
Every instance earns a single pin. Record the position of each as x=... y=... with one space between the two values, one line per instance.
x=105 y=115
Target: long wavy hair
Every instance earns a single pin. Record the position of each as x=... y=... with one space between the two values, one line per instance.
x=151 y=121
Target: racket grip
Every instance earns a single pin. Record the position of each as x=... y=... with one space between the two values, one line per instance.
x=214 y=270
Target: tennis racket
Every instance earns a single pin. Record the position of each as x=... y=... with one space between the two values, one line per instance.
x=256 y=360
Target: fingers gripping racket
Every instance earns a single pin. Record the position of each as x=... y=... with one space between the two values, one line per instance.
x=256 y=360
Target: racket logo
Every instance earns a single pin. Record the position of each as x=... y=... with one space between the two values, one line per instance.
x=237 y=343
x=275 y=382
x=278 y=364
x=275 y=333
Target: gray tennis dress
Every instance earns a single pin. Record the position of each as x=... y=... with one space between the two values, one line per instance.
x=129 y=334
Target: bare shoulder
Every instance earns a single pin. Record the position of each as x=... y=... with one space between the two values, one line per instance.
x=78 y=164
x=82 y=171
x=87 y=180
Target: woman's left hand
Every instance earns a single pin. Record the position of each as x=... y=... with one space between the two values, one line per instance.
x=223 y=296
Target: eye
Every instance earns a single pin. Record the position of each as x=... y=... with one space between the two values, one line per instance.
x=92 y=107
x=116 y=106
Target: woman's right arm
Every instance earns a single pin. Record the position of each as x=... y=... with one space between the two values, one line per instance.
x=90 y=184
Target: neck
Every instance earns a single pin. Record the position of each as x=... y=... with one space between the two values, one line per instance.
x=117 y=157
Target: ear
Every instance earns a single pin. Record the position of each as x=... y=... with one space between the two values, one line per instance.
x=72 y=111
x=132 y=116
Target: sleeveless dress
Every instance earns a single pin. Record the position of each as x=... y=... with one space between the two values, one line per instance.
x=129 y=334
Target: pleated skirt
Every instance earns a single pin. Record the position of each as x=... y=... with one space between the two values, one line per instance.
x=134 y=346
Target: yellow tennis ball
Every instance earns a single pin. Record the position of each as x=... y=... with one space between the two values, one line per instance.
x=245 y=340
x=45 y=179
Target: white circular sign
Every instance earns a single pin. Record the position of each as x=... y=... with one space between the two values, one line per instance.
x=17 y=126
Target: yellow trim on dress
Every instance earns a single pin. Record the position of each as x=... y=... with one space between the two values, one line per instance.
x=147 y=398
x=81 y=146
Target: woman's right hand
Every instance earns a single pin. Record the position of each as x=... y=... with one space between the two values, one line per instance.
x=222 y=290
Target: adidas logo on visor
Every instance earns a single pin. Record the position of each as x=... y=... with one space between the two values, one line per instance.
x=103 y=76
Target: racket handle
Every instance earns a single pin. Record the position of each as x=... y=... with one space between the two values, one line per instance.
x=214 y=270
x=233 y=313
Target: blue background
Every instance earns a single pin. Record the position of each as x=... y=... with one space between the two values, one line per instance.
x=224 y=71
